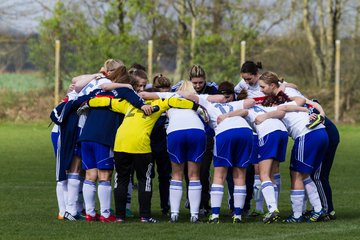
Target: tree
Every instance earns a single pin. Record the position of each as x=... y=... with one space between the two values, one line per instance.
x=321 y=37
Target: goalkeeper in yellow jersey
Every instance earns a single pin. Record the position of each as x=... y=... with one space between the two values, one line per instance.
x=132 y=148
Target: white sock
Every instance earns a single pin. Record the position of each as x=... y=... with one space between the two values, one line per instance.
x=258 y=197
x=194 y=197
x=305 y=203
x=239 y=199
x=276 y=193
x=80 y=205
x=129 y=194
x=61 y=196
x=217 y=192
x=175 y=196
x=89 y=192
x=312 y=194
x=268 y=192
x=104 y=195
x=297 y=198
x=73 y=193
x=277 y=180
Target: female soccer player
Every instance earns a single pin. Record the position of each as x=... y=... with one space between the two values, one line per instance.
x=232 y=148
x=307 y=153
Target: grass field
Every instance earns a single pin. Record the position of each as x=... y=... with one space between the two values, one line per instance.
x=28 y=202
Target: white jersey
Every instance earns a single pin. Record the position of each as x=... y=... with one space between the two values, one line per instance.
x=253 y=91
x=296 y=122
x=267 y=126
x=181 y=119
x=292 y=92
x=91 y=86
x=217 y=109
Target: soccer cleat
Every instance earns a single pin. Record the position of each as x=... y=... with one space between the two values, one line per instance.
x=203 y=212
x=317 y=216
x=271 y=217
x=174 y=218
x=194 y=219
x=69 y=217
x=255 y=213
x=120 y=220
x=148 y=220
x=213 y=220
x=90 y=218
x=332 y=215
x=110 y=218
x=314 y=123
x=236 y=219
x=129 y=213
x=292 y=219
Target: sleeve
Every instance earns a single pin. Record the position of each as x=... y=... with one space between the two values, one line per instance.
x=203 y=99
x=237 y=104
x=291 y=92
x=115 y=105
x=175 y=102
x=240 y=86
x=130 y=96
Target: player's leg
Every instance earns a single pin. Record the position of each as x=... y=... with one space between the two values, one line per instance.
x=143 y=165
x=176 y=190
x=123 y=165
x=239 y=175
x=194 y=190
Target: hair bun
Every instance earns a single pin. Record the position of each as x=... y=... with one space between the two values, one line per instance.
x=259 y=65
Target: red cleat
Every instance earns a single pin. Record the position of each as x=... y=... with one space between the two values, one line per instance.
x=111 y=218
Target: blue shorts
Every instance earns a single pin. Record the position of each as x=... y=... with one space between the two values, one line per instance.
x=273 y=146
x=186 y=145
x=54 y=140
x=96 y=155
x=254 y=158
x=308 y=151
x=233 y=148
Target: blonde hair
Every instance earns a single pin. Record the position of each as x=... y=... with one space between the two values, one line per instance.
x=111 y=65
x=186 y=85
x=197 y=71
x=269 y=78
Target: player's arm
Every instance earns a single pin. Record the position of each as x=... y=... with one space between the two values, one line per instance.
x=112 y=86
x=300 y=101
x=175 y=102
x=189 y=95
x=278 y=114
x=292 y=108
x=82 y=80
x=149 y=95
x=217 y=98
x=114 y=104
x=248 y=103
x=317 y=106
x=238 y=112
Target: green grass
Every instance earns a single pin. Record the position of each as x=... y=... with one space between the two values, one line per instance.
x=22 y=82
x=28 y=201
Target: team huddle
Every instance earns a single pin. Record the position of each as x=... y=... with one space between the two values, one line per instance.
x=115 y=120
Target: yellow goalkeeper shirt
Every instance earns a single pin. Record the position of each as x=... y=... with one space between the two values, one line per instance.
x=133 y=135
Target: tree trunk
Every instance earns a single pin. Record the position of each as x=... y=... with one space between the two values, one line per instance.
x=121 y=16
x=316 y=58
x=180 y=51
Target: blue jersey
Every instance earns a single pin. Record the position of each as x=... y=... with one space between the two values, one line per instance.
x=101 y=123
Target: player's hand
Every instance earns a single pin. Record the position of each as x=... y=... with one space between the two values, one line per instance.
x=221 y=118
x=201 y=111
x=83 y=109
x=259 y=119
x=147 y=109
